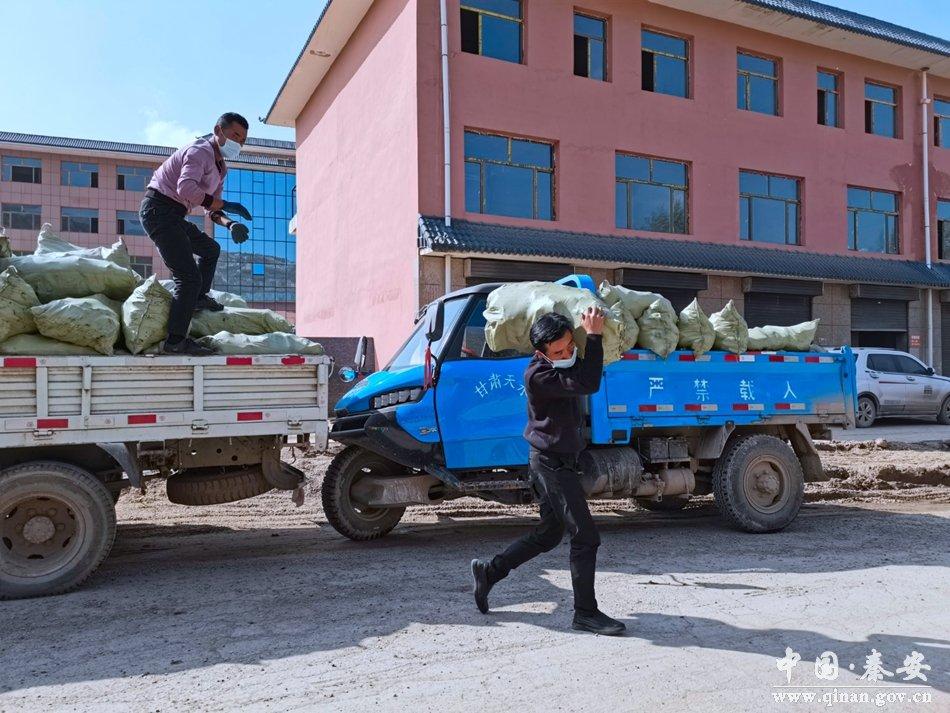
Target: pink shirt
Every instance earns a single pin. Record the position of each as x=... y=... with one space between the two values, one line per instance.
x=191 y=174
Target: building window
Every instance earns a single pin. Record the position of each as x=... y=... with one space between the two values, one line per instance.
x=142 y=265
x=79 y=220
x=942 y=122
x=769 y=208
x=132 y=178
x=664 y=62
x=128 y=223
x=506 y=176
x=492 y=28
x=21 y=217
x=943 y=229
x=80 y=175
x=651 y=194
x=880 y=110
x=22 y=170
x=757 y=84
x=590 y=47
x=872 y=221
x=828 y=98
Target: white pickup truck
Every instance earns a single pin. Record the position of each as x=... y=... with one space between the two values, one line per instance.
x=77 y=430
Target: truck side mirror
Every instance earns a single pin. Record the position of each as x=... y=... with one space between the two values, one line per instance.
x=359 y=360
x=930 y=371
x=435 y=321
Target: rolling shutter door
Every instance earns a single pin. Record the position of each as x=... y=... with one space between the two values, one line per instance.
x=870 y=315
x=945 y=337
x=763 y=308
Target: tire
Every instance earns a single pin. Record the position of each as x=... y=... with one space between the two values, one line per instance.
x=866 y=414
x=943 y=417
x=347 y=517
x=57 y=524
x=758 y=483
x=670 y=503
x=212 y=487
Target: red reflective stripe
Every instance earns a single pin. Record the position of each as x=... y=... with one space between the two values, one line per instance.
x=811 y=360
x=648 y=407
x=19 y=362
x=783 y=407
x=776 y=357
x=740 y=407
x=629 y=357
x=141 y=418
x=694 y=407
x=687 y=357
x=52 y=423
x=239 y=361
x=250 y=416
x=291 y=360
x=732 y=357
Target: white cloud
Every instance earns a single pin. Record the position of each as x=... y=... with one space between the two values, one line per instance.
x=167 y=132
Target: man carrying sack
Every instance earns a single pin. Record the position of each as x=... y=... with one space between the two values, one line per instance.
x=555 y=379
x=193 y=176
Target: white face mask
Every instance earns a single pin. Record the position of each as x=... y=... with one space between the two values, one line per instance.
x=564 y=363
x=231 y=149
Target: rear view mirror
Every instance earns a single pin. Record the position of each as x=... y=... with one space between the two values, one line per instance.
x=435 y=321
x=360 y=358
x=930 y=371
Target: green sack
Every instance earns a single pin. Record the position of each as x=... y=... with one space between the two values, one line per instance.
x=37 y=345
x=696 y=331
x=658 y=331
x=145 y=315
x=630 y=305
x=228 y=299
x=514 y=307
x=275 y=343
x=16 y=299
x=238 y=320
x=5 y=250
x=797 y=338
x=56 y=276
x=49 y=243
x=84 y=321
x=732 y=333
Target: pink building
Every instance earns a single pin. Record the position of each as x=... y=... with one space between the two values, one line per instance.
x=90 y=192
x=765 y=151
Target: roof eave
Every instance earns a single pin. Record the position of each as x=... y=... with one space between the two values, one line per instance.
x=329 y=36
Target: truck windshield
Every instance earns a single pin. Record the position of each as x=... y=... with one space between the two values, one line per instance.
x=413 y=352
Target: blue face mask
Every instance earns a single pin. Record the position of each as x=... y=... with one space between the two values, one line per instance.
x=231 y=149
x=564 y=363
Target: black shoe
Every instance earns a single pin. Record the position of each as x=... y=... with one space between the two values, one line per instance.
x=209 y=303
x=186 y=347
x=482 y=583
x=598 y=623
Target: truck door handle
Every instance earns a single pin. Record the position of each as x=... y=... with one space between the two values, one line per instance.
x=911 y=378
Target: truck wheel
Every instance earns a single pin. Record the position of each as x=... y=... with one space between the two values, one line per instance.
x=200 y=486
x=758 y=483
x=670 y=503
x=57 y=524
x=348 y=517
x=867 y=412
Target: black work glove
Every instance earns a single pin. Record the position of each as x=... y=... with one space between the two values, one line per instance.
x=237 y=209
x=238 y=232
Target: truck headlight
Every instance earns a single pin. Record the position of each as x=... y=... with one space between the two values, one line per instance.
x=401 y=396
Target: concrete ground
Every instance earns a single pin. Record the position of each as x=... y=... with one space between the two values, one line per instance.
x=908 y=430
x=261 y=606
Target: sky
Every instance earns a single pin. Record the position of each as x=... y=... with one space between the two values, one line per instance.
x=161 y=72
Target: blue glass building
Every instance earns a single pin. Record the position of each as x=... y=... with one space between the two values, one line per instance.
x=263 y=269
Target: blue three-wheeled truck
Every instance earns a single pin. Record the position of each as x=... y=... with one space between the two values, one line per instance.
x=659 y=430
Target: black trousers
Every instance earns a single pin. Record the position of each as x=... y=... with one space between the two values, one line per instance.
x=563 y=507
x=178 y=242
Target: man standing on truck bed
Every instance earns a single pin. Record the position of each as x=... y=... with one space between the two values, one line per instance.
x=554 y=380
x=193 y=176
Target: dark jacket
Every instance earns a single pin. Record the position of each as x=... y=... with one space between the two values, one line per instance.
x=554 y=413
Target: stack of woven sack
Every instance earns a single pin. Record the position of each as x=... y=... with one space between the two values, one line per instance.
x=646 y=320
x=64 y=299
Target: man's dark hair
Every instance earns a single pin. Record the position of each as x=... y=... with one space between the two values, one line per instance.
x=549 y=328
x=230 y=117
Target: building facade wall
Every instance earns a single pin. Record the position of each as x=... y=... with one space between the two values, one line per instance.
x=358 y=262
